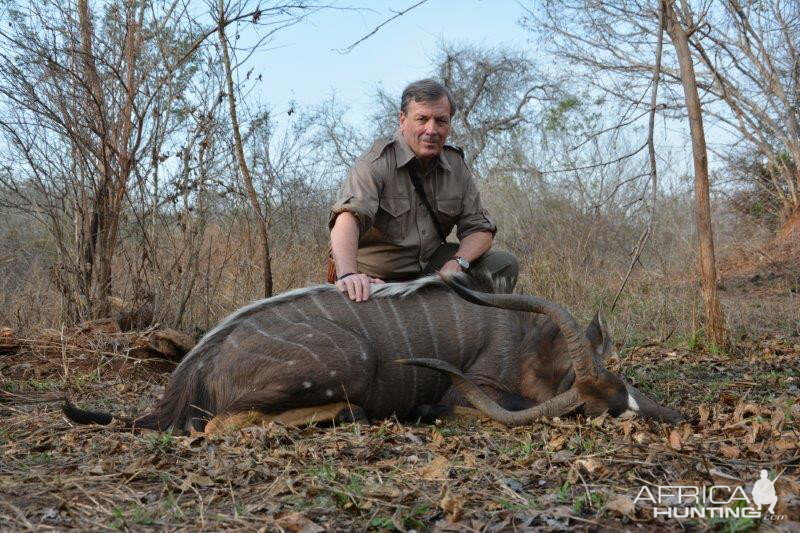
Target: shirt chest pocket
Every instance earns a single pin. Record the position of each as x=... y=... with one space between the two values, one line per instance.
x=392 y=217
x=448 y=211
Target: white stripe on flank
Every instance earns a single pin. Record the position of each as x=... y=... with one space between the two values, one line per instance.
x=364 y=331
x=388 y=327
x=341 y=350
x=432 y=331
x=321 y=307
x=359 y=340
x=232 y=339
x=457 y=322
x=403 y=330
x=260 y=331
x=289 y=295
x=354 y=310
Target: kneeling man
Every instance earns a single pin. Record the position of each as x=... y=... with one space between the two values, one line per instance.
x=402 y=198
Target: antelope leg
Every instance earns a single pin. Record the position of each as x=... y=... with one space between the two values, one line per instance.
x=303 y=416
x=429 y=414
x=558 y=406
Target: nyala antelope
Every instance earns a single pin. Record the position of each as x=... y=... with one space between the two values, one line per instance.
x=416 y=350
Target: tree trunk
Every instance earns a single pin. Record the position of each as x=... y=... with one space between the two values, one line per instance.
x=237 y=139
x=715 y=320
x=790 y=230
x=96 y=269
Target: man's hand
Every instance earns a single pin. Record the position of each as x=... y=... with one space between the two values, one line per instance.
x=450 y=266
x=357 y=286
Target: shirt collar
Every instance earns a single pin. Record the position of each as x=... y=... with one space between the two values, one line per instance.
x=404 y=154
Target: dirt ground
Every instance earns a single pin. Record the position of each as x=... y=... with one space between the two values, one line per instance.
x=741 y=408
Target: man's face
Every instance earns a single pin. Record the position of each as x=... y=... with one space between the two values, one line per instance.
x=425 y=126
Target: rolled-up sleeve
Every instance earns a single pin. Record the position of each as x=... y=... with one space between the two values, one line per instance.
x=359 y=196
x=474 y=217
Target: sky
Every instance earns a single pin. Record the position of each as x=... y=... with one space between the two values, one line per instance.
x=302 y=67
x=301 y=63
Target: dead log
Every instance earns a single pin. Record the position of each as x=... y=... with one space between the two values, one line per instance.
x=9 y=343
x=162 y=344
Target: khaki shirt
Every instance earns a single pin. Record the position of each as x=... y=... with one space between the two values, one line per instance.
x=397 y=235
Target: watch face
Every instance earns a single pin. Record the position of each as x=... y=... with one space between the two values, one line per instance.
x=463 y=263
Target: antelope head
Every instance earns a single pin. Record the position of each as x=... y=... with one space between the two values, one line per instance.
x=595 y=390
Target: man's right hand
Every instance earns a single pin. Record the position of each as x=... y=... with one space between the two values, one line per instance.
x=357 y=286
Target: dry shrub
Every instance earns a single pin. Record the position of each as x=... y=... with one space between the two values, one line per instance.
x=201 y=269
x=579 y=256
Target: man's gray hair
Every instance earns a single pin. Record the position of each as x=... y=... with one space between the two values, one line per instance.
x=426 y=90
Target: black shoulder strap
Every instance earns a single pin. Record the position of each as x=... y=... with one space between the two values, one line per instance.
x=412 y=172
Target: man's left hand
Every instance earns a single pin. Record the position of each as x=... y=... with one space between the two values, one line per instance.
x=451 y=266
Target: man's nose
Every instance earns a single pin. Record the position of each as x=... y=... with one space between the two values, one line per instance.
x=430 y=127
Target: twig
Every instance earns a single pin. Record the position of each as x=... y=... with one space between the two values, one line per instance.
x=596 y=165
x=652 y=155
x=378 y=27
x=19 y=514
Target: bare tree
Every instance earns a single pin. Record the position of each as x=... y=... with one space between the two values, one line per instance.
x=77 y=117
x=751 y=55
x=715 y=321
x=745 y=55
x=614 y=42
x=262 y=214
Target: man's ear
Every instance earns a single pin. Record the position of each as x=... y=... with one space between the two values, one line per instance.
x=597 y=333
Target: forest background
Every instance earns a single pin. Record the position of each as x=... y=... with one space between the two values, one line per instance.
x=145 y=173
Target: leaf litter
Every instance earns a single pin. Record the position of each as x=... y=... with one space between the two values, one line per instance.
x=741 y=413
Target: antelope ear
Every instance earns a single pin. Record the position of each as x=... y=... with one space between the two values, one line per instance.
x=597 y=333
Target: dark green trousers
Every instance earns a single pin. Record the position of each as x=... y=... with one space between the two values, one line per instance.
x=496 y=262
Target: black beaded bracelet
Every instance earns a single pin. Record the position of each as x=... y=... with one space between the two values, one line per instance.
x=345 y=275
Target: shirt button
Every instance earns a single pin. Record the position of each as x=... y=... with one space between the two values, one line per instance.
x=424 y=232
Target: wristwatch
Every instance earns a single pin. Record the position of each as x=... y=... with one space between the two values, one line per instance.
x=463 y=263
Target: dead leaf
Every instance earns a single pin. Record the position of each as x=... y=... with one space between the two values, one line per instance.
x=675 y=440
x=198 y=480
x=731 y=452
x=704 y=412
x=777 y=419
x=592 y=466
x=469 y=458
x=626 y=428
x=623 y=505
x=453 y=506
x=557 y=442
x=438 y=468
x=598 y=420
x=743 y=409
x=383 y=491
x=297 y=523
